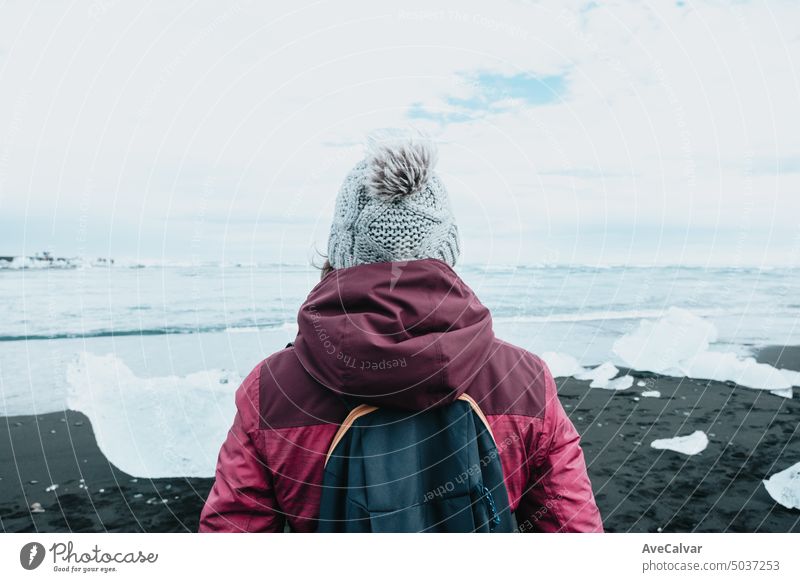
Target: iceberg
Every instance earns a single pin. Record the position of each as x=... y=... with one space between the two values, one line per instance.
x=169 y=426
x=678 y=345
x=561 y=365
x=784 y=487
x=657 y=346
x=688 y=445
x=726 y=366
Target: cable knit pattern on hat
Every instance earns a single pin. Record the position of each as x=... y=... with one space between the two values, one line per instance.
x=392 y=207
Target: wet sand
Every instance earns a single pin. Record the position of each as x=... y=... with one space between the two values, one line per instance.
x=60 y=448
x=752 y=434
x=787 y=357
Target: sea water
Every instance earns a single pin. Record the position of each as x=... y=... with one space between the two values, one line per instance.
x=180 y=319
x=152 y=353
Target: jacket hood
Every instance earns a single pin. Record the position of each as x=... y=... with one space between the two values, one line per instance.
x=407 y=335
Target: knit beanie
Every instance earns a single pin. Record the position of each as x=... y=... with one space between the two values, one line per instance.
x=392 y=207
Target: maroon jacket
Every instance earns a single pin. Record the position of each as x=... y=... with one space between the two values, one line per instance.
x=408 y=335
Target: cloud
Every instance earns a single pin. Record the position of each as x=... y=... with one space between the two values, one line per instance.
x=122 y=125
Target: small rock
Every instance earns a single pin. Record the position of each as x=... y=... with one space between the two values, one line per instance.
x=78 y=423
x=137 y=496
x=52 y=431
x=168 y=487
x=134 y=480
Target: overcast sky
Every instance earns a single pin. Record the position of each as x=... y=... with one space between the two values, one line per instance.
x=569 y=132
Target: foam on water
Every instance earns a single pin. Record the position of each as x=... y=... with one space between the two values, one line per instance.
x=168 y=426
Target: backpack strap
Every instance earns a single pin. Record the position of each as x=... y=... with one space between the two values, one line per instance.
x=364 y=409
x=355 y=414
x=477 y=409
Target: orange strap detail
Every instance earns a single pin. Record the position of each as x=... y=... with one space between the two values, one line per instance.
x=364 y=409
x=355 y=414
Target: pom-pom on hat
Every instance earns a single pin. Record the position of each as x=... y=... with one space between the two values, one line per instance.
x=392 y=206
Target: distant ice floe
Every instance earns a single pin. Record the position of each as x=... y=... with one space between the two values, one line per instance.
x=169 y=426
x=784 y=487
x=688 y=445
x=677 y=345
x=561 y=365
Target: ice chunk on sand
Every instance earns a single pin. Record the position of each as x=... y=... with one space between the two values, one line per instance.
x=784 y=487
x=688 y=445
x=677 y=345
x=621 y=383
x=651 y=394
x=785 y=392
x=561 y=365
x=600 y=375
x=792 y=376
x=167 y=426
x=724 y=366
x=656 y=346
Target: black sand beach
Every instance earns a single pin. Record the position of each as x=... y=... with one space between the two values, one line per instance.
x=752 y=434
x=92 y=495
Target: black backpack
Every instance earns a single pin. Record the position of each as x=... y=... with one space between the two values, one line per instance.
x=432 y=471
